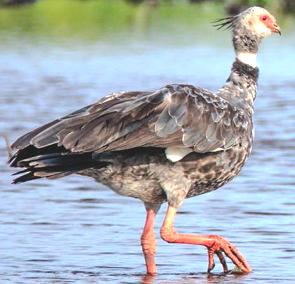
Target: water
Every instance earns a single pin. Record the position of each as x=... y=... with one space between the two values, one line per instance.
x=74 y=230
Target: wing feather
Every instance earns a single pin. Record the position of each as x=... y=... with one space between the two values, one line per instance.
x=176 y=115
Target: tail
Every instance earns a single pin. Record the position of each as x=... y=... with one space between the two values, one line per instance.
x=42 y=153
x=50 y=162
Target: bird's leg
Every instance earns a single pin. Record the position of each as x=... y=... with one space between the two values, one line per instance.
x=215 y=244
x=148 y=241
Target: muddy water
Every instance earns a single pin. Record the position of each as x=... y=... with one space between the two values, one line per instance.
x=73 y=230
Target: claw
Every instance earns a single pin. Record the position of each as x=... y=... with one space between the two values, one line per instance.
x=210 y=268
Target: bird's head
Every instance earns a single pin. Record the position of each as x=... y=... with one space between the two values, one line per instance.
x=259 y=21
x=255 y=20
x=249 y=27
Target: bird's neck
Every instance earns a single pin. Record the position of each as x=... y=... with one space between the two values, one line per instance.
x=246 y=46
x=240 y=87
x=247 y=58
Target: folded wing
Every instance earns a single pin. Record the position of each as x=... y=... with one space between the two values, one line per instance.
x=176 y=115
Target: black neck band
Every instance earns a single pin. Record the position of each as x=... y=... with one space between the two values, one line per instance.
x=244 y=69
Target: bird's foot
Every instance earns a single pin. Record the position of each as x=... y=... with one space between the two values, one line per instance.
x=218 y=245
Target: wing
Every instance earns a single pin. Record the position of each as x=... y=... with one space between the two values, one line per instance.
x=176 y=115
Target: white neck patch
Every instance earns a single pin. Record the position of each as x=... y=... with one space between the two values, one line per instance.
x=248 y=58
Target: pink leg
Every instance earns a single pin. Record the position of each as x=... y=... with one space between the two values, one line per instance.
x=148 y=242
x=215 y=244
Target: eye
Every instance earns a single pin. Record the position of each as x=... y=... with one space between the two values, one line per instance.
x=263 y=18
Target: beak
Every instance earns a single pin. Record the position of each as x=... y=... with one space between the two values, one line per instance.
x=276 y=29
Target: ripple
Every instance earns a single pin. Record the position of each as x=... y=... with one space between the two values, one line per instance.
x=267 y=213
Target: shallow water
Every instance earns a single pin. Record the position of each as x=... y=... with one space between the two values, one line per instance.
x=74 y=230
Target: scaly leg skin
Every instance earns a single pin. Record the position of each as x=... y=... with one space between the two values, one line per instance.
x=148 y=241
x=215 y=244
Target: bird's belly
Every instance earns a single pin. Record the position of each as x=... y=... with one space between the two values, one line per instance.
x=151 y=177
x=132 y=181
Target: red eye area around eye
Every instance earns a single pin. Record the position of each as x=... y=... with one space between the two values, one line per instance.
x=264 y=18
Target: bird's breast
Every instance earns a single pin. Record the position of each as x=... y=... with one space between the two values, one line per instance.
x=211 y=171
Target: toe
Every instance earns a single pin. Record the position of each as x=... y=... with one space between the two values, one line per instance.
x=222 y=261
x=211 y=263
x=221 y=245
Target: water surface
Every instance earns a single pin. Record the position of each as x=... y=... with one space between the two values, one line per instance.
x=74 y=230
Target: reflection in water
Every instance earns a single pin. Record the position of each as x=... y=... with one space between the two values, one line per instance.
x=194 y=278
x=148 y=279
x=73 y=230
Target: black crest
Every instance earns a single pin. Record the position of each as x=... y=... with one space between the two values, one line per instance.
x=225 y=23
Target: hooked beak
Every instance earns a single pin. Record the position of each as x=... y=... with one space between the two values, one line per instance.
x=276 y=29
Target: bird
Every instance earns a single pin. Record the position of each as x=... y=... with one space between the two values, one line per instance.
x=161 y=146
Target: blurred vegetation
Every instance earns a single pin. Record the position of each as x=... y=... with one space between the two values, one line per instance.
x=91 y=18
x=232 y=6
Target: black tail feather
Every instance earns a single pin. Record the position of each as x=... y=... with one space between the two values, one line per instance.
x=50 y=162
x=24 y=178
x=32 y=152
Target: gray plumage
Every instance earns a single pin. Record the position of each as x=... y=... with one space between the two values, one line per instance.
x=165 y=145
x=128 y=132
x=121 y=140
